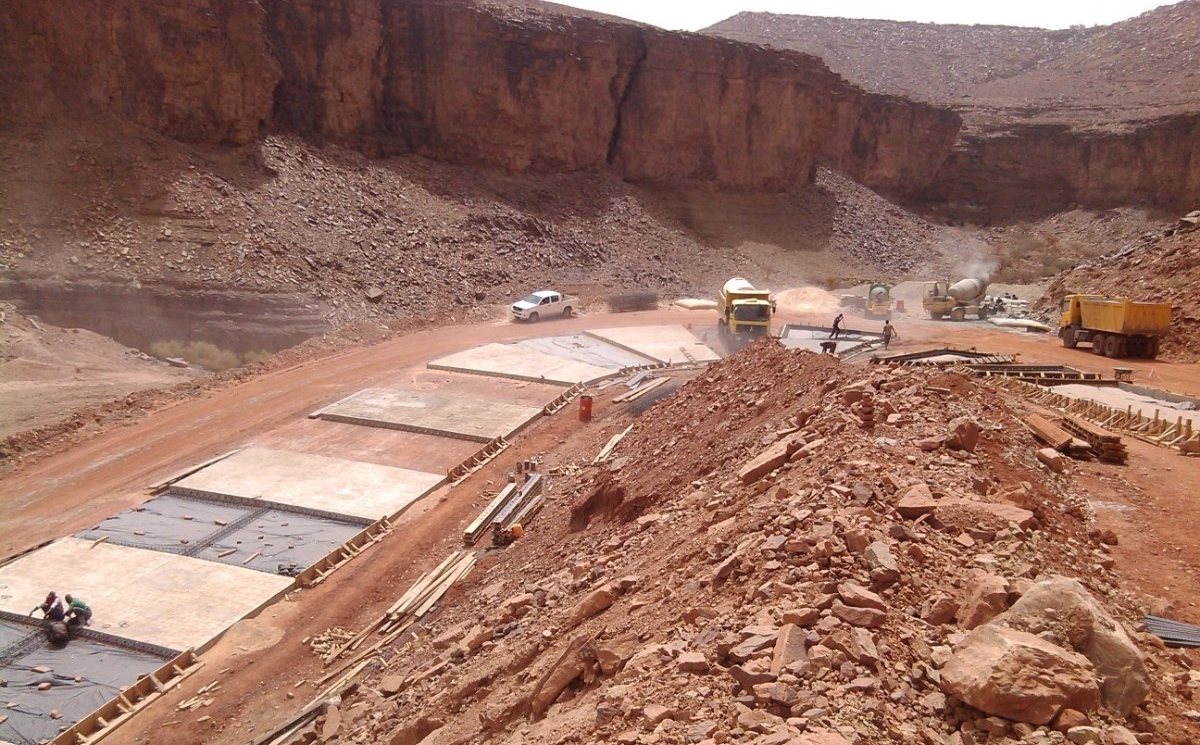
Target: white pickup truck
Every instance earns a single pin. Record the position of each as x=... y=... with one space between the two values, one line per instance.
x=544 y=304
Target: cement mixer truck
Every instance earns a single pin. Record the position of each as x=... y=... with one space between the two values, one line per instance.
x=879 y=301
x=964 y=297
x=745 y=311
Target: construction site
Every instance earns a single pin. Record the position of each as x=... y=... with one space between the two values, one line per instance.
x=524 y=388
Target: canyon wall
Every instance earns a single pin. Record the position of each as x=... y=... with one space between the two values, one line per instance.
x=463 y=84
x=1038 y=169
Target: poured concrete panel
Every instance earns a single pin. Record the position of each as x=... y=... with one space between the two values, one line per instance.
x=315 y=482
x=431 y=413
x=796 y=336
x=384 y=447
x=520 y=363
x=584 y=348
x=479 y=387
x=1122 y=399
x=158 y=598
x=674 y=345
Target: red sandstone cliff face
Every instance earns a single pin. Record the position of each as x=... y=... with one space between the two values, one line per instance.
x=463 y=84
x=1035 y=169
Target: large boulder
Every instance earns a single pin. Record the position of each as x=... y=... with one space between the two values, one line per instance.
x=1061 y=609
x=984 y=596
x=1018 y=676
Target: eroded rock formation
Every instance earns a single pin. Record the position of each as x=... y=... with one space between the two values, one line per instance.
x=463 y=84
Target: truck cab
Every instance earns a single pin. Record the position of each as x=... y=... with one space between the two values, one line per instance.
x=744 y=310
x=542 y=304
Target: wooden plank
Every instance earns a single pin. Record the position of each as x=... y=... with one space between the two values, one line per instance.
x=612 y=443
x=640 y=390
x=473 y=531
x=1048 y=432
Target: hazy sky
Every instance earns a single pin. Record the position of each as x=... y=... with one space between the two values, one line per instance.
x=692 y=15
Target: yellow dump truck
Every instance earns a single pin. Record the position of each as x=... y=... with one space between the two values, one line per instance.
x=1114 y=326
x=745 y=311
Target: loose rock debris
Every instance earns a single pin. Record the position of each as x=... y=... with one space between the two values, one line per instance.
x=765 y=568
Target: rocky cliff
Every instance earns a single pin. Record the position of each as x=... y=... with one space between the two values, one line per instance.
x=1031 y=169
x=1097 y=117
x=464 y=84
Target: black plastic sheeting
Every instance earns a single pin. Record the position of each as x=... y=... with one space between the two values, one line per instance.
x=83 y=675
x=267 y=539
x=285 y=542
x=1173 y=633
x=168 y=524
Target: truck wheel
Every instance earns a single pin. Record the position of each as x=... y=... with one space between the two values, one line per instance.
x=958 y=314
x=1068 y=337
x=1112 y=346
x=1098 y=344
x=567 y=312
x=533 y=317
x=1151 y=348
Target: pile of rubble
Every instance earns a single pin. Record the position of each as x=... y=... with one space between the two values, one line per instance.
x=384 y=238
x=789 y=551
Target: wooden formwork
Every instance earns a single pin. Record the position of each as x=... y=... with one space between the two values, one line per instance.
x=129 y=701
x=477 y=461
x=1157 y=430
x=336 y=559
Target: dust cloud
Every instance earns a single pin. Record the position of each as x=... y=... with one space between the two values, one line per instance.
x=806 y=300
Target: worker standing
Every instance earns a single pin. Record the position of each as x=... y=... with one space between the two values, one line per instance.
x=889 y=333
x=837 y=326
x=76 y=608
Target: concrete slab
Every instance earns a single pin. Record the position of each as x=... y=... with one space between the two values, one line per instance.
x=674 y=345
x=1123 y=400
x=584 y=348
x=796 y=336
x=157 y=598
x=315 y=482
x=480 y=387
x=520 y=363
x=384 y=447
x=431 y=413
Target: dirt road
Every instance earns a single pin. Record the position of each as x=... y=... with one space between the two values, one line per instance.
x=261 y=660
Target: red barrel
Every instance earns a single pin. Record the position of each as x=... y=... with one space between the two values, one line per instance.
x=585 y=408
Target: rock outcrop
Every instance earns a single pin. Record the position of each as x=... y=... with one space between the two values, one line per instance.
x=1060 y=608
x=1019 y=676
x=464 y=84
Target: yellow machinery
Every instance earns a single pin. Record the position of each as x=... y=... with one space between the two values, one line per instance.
x=957 y=300
x=1115 y=326
x=879 y=301
x=745 y=311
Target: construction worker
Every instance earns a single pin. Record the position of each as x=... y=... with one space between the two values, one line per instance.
x=837 y=326
x=51 y=608
x=889 y=332
x=78 y=611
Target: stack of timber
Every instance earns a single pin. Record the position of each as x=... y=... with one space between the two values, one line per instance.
x=412 y=605
x=513 y=505
x=1060 y=439
x=1108 y=446
x=527 y=501
x=642 y=389
x=483 y=522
